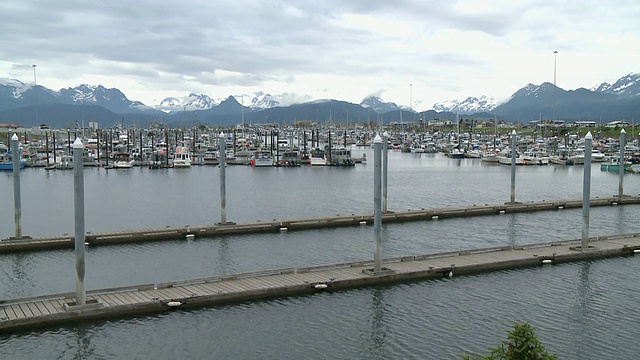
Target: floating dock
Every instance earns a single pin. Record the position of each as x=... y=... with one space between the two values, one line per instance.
x=58 y=309
x=174 y=233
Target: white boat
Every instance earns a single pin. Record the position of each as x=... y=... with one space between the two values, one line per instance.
x=182 y=157
x=317 y=158
x=535 y=157
x=262 y=158
x=88 y=157
x=123 y=161
x=490 y=156
x=598 y=156
x=65 y=162
x=504 y=157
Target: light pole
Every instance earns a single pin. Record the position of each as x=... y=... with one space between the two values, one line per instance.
x=35 y=93
x=555 y=58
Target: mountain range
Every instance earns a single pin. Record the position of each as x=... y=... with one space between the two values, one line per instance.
x=604 y=102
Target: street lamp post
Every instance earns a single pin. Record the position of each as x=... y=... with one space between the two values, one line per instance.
x=35 y=93
x=555 y=58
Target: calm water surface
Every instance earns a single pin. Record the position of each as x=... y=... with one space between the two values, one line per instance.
x=580 y=310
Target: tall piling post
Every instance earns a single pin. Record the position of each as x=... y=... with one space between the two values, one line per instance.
x=223 y=184
x=17 y=202
x=78 y=197
x=513 y=166
x=385 y=169
x=586 y=191
x=623 y=140
x=377 y=209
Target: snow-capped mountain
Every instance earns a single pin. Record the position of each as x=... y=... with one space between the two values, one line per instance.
x=261 y=101
x=112 y=99
x=626 y=86
x=468 y=106
x=190 y=102
x=18 y=88
x=378 y=105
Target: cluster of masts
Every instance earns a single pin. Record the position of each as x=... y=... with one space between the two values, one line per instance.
x=290 y=146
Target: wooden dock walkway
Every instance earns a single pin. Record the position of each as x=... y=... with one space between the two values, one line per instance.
x=342 y=220
x=57 y=309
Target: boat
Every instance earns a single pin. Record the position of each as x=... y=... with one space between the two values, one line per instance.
x=535 y=157
x=289 y=158
x=262 y=158
x=157 y=160
x=6 y=159
x=598 y=156
x=65 y=162
x=123 y=161
x=182 y=157
x=88 y=158
x=317 y=157
x=341 y=157
x=613 y=165
x=504 y=157
x=211 y=157
x=456 y=153
x=490 y=156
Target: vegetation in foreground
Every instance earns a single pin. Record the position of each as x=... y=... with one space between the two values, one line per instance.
x=521 y=344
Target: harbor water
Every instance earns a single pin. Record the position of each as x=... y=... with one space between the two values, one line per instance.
x=580 y=310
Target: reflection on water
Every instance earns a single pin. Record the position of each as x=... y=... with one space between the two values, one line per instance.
x=379 y=329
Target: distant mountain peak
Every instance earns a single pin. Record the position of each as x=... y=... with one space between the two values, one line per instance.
x=376 y=104
x=468 y=106
x=626 y=86
x=190 y=102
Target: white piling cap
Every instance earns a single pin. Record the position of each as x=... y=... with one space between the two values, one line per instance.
x=589 y=136
x=14 y=137
x=622 y=131
x=513 y=132
x=222 y=135
x=77 y=144
x=377 y=140
x=385 y=134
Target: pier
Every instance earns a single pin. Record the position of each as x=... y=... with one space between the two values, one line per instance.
x=58 y=309
x=341 y=220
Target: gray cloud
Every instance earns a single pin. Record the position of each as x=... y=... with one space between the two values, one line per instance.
x=204 y=45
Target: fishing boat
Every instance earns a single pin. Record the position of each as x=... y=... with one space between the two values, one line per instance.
x=6 y=159
x=262 y=158
x=123 y=161
x=504 y=157
x=341 y=157
x=317 y=157
x=65 y=162
x=182 y=157
x=289 y=158
x=157 y=160
x=211 y=157
x=613 y=165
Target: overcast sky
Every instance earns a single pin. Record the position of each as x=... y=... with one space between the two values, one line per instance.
x=418 y=52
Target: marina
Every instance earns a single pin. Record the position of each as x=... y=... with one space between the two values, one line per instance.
x=420 y=181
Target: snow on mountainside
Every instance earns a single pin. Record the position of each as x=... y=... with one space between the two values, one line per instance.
x=469 y=106
x=260 y=101
x=18 y=87
x=112 y=99
x=190 y=102
x=378 y=105
x=626 y=86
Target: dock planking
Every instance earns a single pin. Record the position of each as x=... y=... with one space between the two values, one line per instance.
x=173 y=233
x=42 y=311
